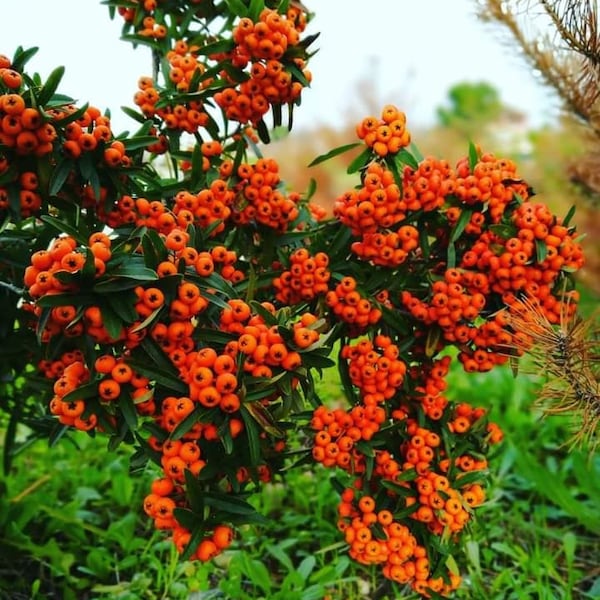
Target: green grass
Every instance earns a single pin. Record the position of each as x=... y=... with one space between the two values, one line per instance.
x=539 y=534
x=72 y=525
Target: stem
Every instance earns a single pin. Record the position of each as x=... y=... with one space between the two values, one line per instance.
x=12 y=288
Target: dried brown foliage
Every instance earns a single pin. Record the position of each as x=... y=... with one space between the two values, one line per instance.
x=567 y=356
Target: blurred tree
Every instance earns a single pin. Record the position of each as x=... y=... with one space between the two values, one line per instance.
x=471 y=107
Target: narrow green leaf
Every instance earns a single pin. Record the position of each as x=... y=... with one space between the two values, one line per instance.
x=340 y=240
x=21 y=57
x=541 y=250
x=134 y=114
x=198 y=530
x=64 y=227
x=298 y=75
x=128 y=411
x=237 y=7
x=60 y=173
x=52 y=300
x=252 y=432
x=89 y=390
x=332 y=153
x=123 y=307
x=184 y=426
x=163 y=378
x=463 y=220
x=260 y=415
x=279 y=554
x=392 y=165
x=360 y=161
x=228 y=503
x=569 y=216
x=156 y=355
x=263 y=132
x=472 y=477
x=50 y=86
x=416 y=152
x=112 y=322
x=306 y=567
x=451 y=256
x=312 y=188
x=473 y=156
x=194 y=492
x=255 y=8
x=135 y=271
x=405 y=157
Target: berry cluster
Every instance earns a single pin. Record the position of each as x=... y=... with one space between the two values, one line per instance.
x=378 y=203
x=387 y=134
x=307 y=277
x=348 y=305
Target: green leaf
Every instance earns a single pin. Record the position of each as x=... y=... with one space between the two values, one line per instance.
x=157 y=357
x=257 y=572
x=306 y=567
x=263 y=132
x=471 y=477
x=165 y=379
x=112 y=322
x=128 y=411
x=134 y=114
x=463 y=220
x=194 y=492
x=135 y=271
x=123 y=307
x=473 y=156
x=184 y=426
x=255 y=8
x=191 y=521
x=569 y=216
x=52 y=300
x=405 y=157
x=332 y=153
x=541 y=250
x=73 y=116
x=261 y=311
x=89 y=390
x=416 y=152
x=118 y=284
x=298 y=75
x=252 y=432
x=340 y=240
x=60 y=173
x=279 y=553
x=228 y=504
x=64 y=227
x=261 y=415
x=451 y=256
x=152 y=239
x=360 y=161
x=237 y=7
x=392 y=165
x=50 y=86
x=21 y=57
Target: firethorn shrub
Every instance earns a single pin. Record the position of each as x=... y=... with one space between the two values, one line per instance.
x=190 y=315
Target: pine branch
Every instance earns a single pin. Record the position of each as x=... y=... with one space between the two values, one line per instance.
x=573 y=70
x=567 y=355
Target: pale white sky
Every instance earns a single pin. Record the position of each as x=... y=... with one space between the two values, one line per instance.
x=409 y=53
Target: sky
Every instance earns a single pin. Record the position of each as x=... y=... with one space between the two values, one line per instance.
x=404 y=52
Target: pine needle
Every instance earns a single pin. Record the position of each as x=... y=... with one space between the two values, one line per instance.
x=566 y=355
